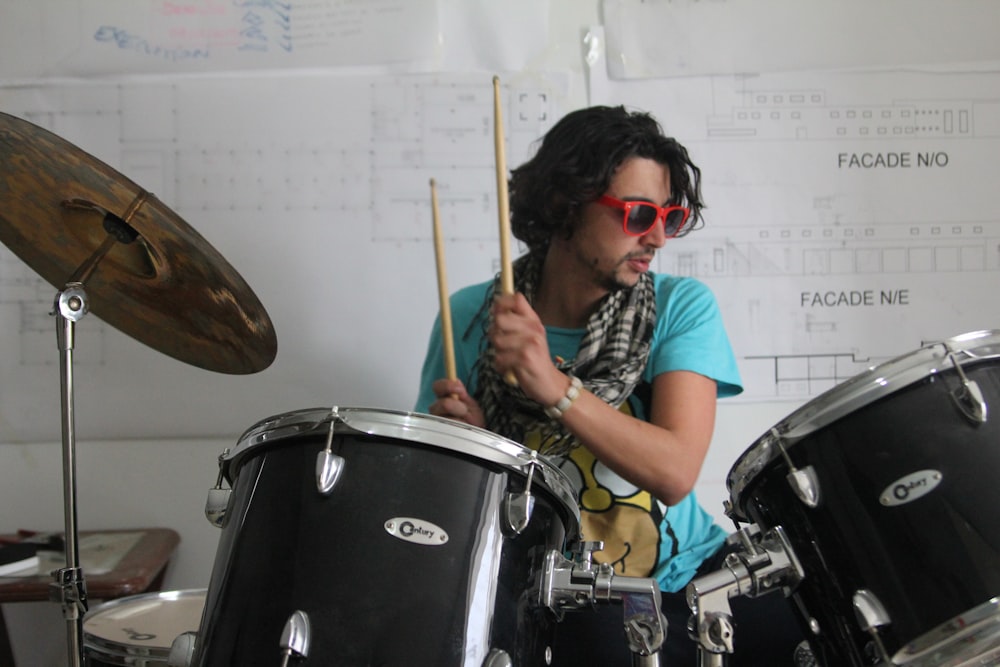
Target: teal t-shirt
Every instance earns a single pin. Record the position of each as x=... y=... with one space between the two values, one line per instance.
x=642 y=536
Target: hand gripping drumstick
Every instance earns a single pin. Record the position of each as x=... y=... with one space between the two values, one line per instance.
x=446 y=333
x=503 y=206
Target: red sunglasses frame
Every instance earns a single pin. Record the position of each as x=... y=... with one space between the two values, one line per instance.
x=661 y=214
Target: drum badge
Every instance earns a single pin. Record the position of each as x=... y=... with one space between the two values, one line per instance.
x=416 y=531
x=910 y=487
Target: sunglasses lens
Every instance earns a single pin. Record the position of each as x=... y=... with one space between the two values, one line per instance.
x=640 y=219
x=675 y=220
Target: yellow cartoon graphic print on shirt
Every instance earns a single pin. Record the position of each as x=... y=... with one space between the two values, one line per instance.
x=613 y=511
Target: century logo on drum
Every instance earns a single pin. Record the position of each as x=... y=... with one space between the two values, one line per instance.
x=417 y=531
x=407 y=529
x=910 y=487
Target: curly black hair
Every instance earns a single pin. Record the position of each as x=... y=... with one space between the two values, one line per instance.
x=574 y=165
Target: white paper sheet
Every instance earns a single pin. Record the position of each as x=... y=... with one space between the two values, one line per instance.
x=658 y=38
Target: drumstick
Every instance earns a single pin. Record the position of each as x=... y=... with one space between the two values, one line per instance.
x=446 y=334
x=503 y=206
x=503 y=202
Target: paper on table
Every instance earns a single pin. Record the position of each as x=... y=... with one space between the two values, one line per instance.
x=18 y=558
x=99 y=553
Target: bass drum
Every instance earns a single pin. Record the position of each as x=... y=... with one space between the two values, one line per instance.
x=373 y=537
x=897 y=524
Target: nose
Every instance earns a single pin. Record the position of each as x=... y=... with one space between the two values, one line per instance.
x=656 y=237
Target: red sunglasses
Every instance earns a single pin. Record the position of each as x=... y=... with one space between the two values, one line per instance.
x=640 y=216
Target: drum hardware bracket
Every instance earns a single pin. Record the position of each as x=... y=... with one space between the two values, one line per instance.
x=295 y=637
x=70 y=589
x=218 y=498
x=518 y=507
x=329 y=466
x=719 y=628
x=645 y=626
x=804 y=482
x=182 y=649
x=498 y=658
x=872 y=615
x=570 y=585
x=968 y=397
x=763 y=564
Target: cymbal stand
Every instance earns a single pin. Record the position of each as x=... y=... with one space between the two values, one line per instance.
x=69 y=587
x=71 y=305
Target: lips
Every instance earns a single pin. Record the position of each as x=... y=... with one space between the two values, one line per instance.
x=640 y=264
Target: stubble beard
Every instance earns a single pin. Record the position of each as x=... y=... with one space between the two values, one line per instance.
x=612 y=281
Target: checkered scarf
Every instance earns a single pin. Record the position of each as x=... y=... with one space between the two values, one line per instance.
x=610 y=360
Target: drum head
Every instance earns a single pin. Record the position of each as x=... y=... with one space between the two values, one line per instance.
x=446 y=434
x=133 y=630
x=863 y=389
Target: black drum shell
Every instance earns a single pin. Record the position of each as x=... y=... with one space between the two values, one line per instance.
x=373 y=599
x=927 y=560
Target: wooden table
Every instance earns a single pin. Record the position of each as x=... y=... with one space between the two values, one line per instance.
x=140 y=570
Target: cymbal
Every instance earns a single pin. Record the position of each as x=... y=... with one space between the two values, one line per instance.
x=168 y=288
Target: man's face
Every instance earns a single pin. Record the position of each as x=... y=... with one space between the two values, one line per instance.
x=605 y=255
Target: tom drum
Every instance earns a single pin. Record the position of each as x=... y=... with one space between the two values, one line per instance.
x=373 y=537
x=895 y=513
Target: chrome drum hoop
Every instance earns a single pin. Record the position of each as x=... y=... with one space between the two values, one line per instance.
x=447 y=434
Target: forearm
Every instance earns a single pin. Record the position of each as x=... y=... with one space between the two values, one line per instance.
x=663 y=456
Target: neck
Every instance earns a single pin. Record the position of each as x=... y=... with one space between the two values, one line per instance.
x=563 y=298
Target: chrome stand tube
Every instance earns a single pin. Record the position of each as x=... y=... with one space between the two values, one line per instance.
x=70 y=587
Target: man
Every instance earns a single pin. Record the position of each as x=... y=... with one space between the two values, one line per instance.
x=616 y=371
